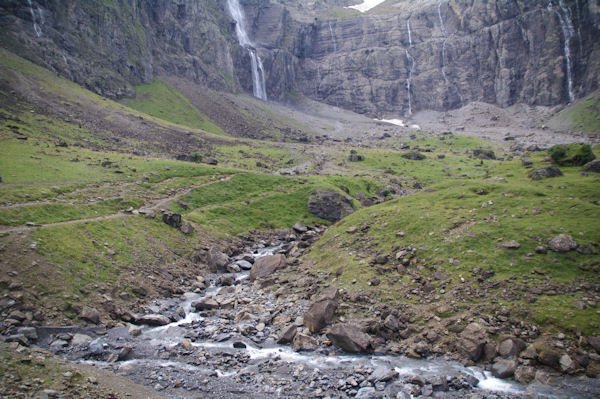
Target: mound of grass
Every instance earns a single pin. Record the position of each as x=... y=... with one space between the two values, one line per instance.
x=572 y=154
x=583 y=116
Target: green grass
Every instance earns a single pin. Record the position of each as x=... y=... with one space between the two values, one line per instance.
x=163 y=101
x=451 y=222
x=583 y=116
x=52 y=213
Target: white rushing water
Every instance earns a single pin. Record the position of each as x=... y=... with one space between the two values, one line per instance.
x=36 y=27
x=366 y=5
x=411 y=64
x=564 y=18
x=258 y=72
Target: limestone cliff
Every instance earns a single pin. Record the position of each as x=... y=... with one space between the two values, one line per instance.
x=429 y=55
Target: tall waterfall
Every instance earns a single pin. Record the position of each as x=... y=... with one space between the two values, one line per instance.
x=36 y=27
x=411 y=64
x=258 y=73
x=568 y=31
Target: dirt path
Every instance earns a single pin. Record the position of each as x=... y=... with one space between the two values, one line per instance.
x=160 y=204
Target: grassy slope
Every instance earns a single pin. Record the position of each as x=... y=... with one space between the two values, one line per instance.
x=163 y=101
x=455 y=232
x=583 y=116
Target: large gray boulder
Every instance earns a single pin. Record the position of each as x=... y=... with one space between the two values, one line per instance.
x=152 y=319
x=543 y=173
x=562 y=243
x=319 y=315
x=267 y=265
x=504 y=368
x=216 y=261
x=329 y=205
x=349 y=338
x=472 y=341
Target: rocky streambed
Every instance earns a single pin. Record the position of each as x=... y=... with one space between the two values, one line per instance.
x=225 y=340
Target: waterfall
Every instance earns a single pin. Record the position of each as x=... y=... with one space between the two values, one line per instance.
x=567 y=29
x=332 y=38
x=442 y=27
x=258 y=73
x=411 y=64
x=36 y=27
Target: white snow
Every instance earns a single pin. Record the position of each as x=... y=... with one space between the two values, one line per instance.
x=366 y=5
x=398 y=122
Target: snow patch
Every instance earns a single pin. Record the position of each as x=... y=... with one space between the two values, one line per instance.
x=366 y=5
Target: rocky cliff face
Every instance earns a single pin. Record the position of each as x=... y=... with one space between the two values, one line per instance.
x=431 y=55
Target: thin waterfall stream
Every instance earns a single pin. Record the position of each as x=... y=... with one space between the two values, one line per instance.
x=564 y=18
x=258 y=72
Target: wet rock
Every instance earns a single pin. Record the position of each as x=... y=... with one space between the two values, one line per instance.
x=207 y=303
x=562 y=243
x=239 y=345
x=134 y=331
x=303 y=342
x=567 y=365
x=172 y=219
x=299 y=228
x=349 y=338
x=187 y=228
x=90 y=314
x=525 y=374
x=329 y=205
x=287 y=335
x=267 y=265
x=319 y=315
x=438 y=383
x=383 y=374
x=549 y=358
x=530 y=393
x=80 y=339
x=216 y=261
x=368 y=393
x=244 y=264
x=510 y=347
x=472 y=341
x=543 y=173
x=504 y=368
x=152 y=319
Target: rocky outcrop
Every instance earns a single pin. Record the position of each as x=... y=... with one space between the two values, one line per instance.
x=329 y=205
x=321 y=311
x=472 y=341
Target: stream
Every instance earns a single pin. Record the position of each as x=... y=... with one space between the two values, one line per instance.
x=232 y=352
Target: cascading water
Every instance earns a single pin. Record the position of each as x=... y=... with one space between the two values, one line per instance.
x=445 y=36
x=258 y=73
x=411 y=63
x=332 y=38
x=568 y=31
x=36 y=27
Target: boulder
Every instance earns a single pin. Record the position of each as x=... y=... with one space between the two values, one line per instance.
x=543 y=173
x=152 y=319
x=526 y=162
x=267 y=265
x=472 y=341
x=303 y=342
x=80 y=339
x=383 y=374
x=562 y=243
x=504 y=368
x=319 y=315
x=299 y=228
x=90 y=314
x=244 y=264
x=172 y=219
x=512 y=244
x=413 y=156
x=594 y=342
x=593 y=166
x=349 y=338
x=567 y=365
x=510 y=347
x=187 y=228
x=329 y=205
x=368 y=393
x=217 y=261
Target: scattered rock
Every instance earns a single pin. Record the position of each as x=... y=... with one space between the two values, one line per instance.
x=303 y=342
x=368 y=393
x=187 y=228
x=567 y=365
x=80 y=339
x=319 y=315
x=549 y=358
x=217 y=261
x=562 y=243
x=207 y=303
x=484 y=154
x=504 y=368
x=413 y=156
x=510 y=245
x=298 y=228
x=593 y=166
x=525 y=374
x=287 y=335
x=511 y=347
x=526 y=162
